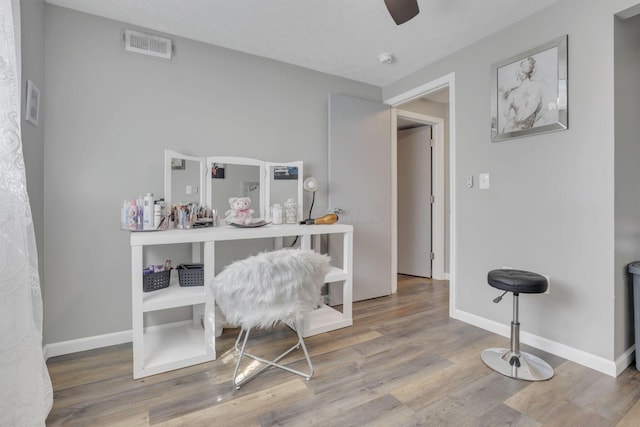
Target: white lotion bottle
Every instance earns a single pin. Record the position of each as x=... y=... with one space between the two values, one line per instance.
x=124 y=215
x=147 y=212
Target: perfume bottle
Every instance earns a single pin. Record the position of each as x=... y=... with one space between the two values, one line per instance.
x=290 y=211
x=132 y=218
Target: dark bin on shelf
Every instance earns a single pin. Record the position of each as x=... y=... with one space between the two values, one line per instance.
x=155 y=281
x=191 y=274
x=634 y=268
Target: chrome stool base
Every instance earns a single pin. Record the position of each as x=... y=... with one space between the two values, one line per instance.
x=522 y=366
x=512 y=362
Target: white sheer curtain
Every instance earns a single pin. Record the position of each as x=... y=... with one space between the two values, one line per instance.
x=25 y=388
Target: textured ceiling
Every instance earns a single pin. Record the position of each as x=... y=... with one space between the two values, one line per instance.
x=339 y=37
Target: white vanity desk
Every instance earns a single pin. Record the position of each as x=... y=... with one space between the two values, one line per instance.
x=163 y=348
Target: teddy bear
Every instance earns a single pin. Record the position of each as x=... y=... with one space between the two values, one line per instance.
x=239 y=212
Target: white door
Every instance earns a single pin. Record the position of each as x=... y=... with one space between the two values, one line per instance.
x=414 y=201
x=360 y=185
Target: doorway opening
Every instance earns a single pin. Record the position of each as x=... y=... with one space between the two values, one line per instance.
x=420 y=169
x=443 y=182
x=415 y=196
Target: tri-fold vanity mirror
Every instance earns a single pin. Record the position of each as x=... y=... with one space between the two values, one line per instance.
x=212 y=181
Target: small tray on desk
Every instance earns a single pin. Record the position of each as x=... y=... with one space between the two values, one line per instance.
x=260 y=223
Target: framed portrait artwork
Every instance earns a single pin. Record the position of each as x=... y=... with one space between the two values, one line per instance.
x=32 y=108
x=529 y=92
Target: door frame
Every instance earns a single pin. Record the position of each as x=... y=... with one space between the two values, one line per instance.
x=437 y=186
x=395 y=102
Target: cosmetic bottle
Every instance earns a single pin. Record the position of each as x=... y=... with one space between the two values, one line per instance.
x=132 y=218
x=290 y=211
x=140 y=216
x=147 y=214
x=157 y=215
x=124 y=215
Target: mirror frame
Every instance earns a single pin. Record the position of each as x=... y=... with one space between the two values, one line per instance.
x=207 y=184
x=170 y=154
x=300 y=187
x=240 y=161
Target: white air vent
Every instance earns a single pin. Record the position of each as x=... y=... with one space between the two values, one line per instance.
x=147 y=44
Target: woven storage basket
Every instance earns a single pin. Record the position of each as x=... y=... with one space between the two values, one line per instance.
x=155 y=281
x=191 y=274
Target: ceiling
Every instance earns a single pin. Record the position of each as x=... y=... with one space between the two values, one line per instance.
x=338 y=37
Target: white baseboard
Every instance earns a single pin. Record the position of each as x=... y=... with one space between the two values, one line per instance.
x=609 y=367
x=625 y=360
x=446 y=276
x=88 y=343
x=600 y=364
x=98 y=341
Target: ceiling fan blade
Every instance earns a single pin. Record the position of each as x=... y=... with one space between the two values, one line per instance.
x=402 y=10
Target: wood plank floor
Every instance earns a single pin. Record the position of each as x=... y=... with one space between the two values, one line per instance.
x=403 y=363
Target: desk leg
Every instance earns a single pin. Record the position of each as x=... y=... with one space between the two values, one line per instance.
x=197 y=310
x=137 y=317
x=278 y=243
x=210 y=304
x=347 y=290
x=305 y=242
x=195 y=252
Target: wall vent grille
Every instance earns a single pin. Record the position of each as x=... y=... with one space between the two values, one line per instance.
x=147 y=44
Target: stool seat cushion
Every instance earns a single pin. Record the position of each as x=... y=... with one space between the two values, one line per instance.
x=517 y=281
x=271 y=287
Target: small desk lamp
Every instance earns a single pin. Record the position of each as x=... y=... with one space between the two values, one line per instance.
x=311 y=184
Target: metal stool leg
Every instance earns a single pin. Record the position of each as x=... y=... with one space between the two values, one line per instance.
x=514 y=363
x=269 y=363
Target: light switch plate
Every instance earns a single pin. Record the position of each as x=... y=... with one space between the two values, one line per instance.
x=483 y=181
x=469 y=181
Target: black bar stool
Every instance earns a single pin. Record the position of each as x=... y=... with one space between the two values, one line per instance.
x=512 y=362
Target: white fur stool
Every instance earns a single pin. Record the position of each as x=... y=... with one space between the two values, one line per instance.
x=264 y=290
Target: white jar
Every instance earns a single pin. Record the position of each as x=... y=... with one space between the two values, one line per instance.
x=276 y=213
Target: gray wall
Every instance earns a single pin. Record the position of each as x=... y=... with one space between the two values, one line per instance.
x=111 y=114
x=627 y=168
x=32 y=14
x=558 y=203
x=550 y=208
